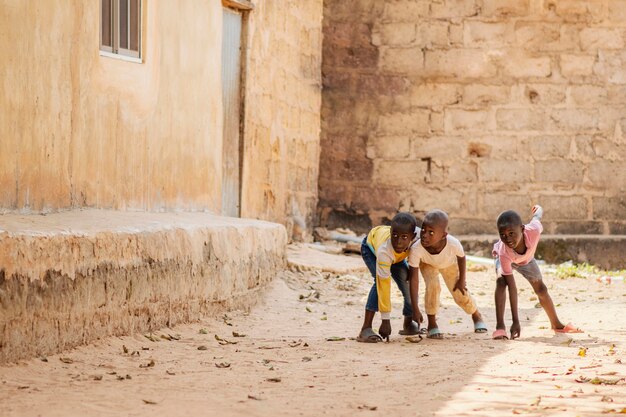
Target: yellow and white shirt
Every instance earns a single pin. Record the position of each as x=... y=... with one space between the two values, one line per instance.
x=379 y=241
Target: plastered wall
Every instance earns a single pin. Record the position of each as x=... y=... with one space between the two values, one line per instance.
x=282 y=114
x=475 y=106
x=81 y=130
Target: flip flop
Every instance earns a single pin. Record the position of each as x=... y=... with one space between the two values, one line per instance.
x=499 y=334
x=569 y=328
x=434 y=333
x=413 y=329
x=480 y=327
x=369 y=336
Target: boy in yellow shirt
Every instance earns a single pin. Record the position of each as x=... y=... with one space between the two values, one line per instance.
x=384 y=251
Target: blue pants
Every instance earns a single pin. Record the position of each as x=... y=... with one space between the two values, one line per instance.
x=399 y=273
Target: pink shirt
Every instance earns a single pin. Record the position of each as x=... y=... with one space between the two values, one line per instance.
x=507 y=256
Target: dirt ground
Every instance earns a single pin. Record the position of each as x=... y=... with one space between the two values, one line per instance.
x=295 y=354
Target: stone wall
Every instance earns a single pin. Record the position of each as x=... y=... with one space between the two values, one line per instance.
x=475 y=106
x=70 y=278
x=282 y=114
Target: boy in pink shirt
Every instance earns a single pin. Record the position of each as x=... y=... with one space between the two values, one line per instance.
x=516 y=251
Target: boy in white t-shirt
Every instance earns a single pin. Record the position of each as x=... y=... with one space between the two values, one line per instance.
x=437 y=252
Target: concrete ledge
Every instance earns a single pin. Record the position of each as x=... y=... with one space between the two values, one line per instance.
x=70 y=278
x=604 y=251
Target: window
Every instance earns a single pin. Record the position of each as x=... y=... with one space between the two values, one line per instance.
x=120 y=27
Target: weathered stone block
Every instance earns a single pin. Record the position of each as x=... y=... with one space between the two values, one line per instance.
x=404 y=123
x=521 y=119
x=609 y=208
x=462 y=172
x=617 y=12
x=352 y=10
x=482 y=95
x=402 y=60
x=388 y=172
x=437 y=148
x=348 y=35
x=486 y=34
x=592 y=39
x=521 y=65
x=504 y=8
x=429 y=198
x=405 y=10
x=616 y=95
x=588 y=95
x=371 y=84
x=453 y=9
x=578 y=228
x=434 y=34
x=366 y=57
x=544 y=94
x=610 y=174
x=494 y=204
x=394 y=34
x=471 y=120
x=575 y=119
x=437 y=122
x=535 y=35
x=504 y=171
x=433 y=95
x=550 y=146
x=389 y=147
x=563 y=207
x=577 y=65
x=465 y=63
x=559 y=170
x=577 y=10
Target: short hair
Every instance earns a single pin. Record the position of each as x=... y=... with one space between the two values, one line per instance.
x=509 y=218
x=436 y=216
x=404 y=220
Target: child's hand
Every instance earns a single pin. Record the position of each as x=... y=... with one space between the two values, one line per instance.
x=515 y=330
x=537 y=211
x=417 y=317
x=460 y=285
x=385 y=329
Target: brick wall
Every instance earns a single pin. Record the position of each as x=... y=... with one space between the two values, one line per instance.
x=474 y=106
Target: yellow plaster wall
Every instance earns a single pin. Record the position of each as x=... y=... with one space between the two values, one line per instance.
x=78 y=129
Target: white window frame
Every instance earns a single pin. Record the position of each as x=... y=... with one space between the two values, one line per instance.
x=115 y=51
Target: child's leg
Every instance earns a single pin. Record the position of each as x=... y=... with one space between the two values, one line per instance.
x=465 y=301
x=431 y=293
x=371 y=307
x=400 y=274
x=532 y=273
x=500 y=299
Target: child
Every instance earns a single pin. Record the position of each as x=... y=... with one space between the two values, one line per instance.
x=384 y=251
x=437 y=252
x=515 y=251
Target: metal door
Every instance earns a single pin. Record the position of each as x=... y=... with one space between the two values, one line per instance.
x=231 y=99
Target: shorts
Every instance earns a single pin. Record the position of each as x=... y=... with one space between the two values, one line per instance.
x=530 y=271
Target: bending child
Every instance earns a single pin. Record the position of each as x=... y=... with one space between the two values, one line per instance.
x=437 y=252
x=384 y=251
x=516 y=251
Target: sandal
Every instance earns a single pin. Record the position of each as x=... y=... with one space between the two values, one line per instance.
x=369 y=336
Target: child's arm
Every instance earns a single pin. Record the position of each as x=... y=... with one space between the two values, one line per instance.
x=414 y=291
x=383 y=287
x=461 y=283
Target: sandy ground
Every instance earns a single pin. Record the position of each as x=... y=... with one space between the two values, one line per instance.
x=283 y=363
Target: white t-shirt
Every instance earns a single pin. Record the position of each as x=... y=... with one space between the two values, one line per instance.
x=445 y=258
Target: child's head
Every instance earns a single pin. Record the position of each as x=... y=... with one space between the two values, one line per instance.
x=434 y=228
x=402 y=231
x=510 y=228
